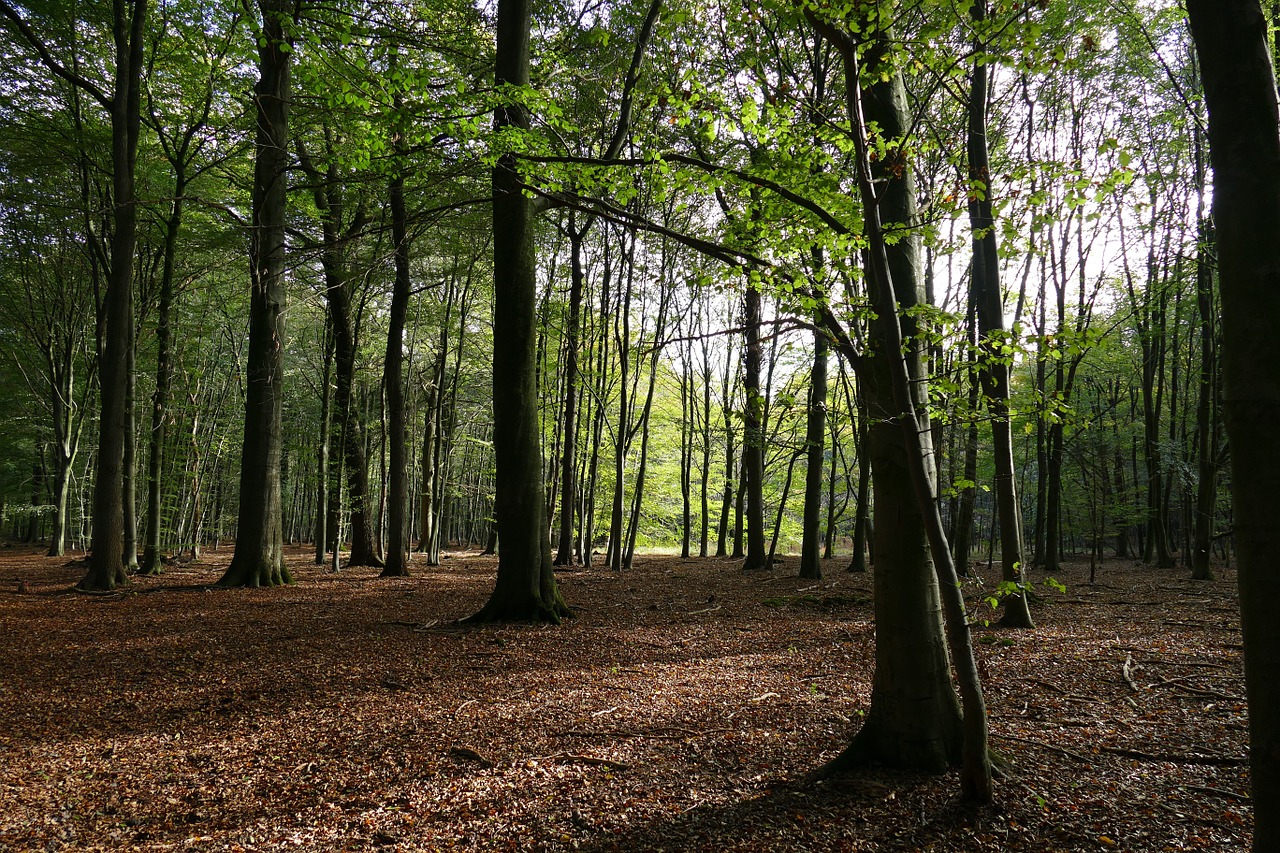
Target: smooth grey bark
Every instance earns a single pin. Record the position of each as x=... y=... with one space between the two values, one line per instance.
x=129 y=475
x=323 y=439
x=815 y=440
x=338 y=231
x=106 y=560
x=862 y=502
x=622 y=436
x=756 y=558
x=659 y=331
x=123 y=106
x=727 y=495
x=1244 y=146
x=259 y=552
x=569 y=421
x=151 y=562
x=994 y=364
x=397 y=559
x=964 y=505
x=525 y=589
x=687 y=430
x=914 y=719
x=1206 y=392
x=704 y=541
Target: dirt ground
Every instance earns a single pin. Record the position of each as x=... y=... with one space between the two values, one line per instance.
x=681 y=710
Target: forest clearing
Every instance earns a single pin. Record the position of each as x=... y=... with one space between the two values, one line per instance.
x=682 y=709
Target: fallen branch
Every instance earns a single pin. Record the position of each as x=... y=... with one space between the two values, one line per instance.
x=1208 y=694
x=1174 y=758
x=1058 y=749
x=1202 y=663
x=669 y=733
x=1064 y=694
x=1127 y=671
x=1217 y=792
x=590 y=759
x=705 y=610
x=468 y=754
x=1202 y=625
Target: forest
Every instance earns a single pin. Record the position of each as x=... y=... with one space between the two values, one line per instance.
x=927 y=337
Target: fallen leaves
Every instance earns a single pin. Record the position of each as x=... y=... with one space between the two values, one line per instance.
x=681 y=710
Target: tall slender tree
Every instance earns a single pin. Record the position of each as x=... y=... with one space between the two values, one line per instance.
x=914 y=719
x=988 y=300
x=397 y=560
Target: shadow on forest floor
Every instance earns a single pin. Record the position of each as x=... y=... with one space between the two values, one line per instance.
x=680 y=710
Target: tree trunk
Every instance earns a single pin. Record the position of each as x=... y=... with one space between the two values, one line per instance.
x=151 y=562
x=259 y=554
x=753 y=435
x=569 y=425
x=397 y=561
x=687 y=428
x=623 y=430
x=633 y=526
x=704 y=541
x=106 y=558
x=914 y=720
x=815 y=440
x=525 y=589
x=129 y=481
x=862 y=507
x=1244 y=145
x=993 y=367
x=1206 y=446
x=726 y=497
x=322 y=452
x=428 y=537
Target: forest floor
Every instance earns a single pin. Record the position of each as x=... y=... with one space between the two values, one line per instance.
x=681 y=710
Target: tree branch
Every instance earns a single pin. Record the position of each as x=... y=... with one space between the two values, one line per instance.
x=47 y=59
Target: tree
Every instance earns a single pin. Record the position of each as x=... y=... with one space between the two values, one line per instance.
x=122 y=104
x=988 y=301
x=186 y=129
x=259 y=554
x=914 y=720
x=340 y=228
x=815 y=437
x=525 y=588
x=48 y=300
x=397 y=562
x=1244 y=149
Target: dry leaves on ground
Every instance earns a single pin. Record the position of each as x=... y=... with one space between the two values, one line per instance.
x=681 y=710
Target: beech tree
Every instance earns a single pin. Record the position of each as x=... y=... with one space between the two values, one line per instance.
x=1244 y=149
x=122 y=103
x=914 y=719
x=526 y=587
x=259 y=553
x=994 y=366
